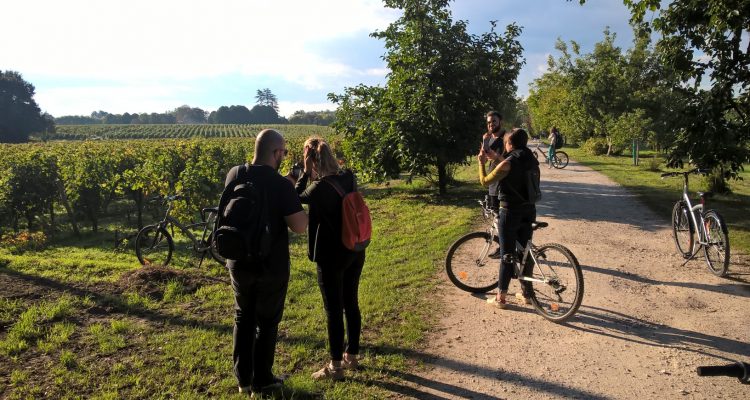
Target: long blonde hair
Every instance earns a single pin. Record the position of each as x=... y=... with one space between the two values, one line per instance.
x=323 y=158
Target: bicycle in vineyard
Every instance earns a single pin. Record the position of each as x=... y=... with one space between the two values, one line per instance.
x=154 y=244
x=689 y=221
x=560 y=160
x=551 y=275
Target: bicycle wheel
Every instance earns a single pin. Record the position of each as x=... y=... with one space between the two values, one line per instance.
x=154 y=246
x=561 y=160
x=468 y=266
x=682 y=229
x=716 y=250
x=215 y=252
x=561 y=293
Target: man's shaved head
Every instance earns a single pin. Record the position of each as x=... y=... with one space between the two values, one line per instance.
x=266 y=142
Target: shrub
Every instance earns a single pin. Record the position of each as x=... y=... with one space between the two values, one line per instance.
x=595 y=146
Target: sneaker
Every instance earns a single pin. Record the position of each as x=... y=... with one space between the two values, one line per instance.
x=495 y=254
x=493 y=301
x=522 y=299
x=269 y=388
x=329 y=372
x=352 y=364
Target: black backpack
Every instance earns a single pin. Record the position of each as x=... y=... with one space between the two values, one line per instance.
x=533 y=184
x=243 y=231
x=559 y=140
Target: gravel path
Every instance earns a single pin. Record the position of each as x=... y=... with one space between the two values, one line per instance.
x=645 y=324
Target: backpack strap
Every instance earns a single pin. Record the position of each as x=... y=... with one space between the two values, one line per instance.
x=340 y=190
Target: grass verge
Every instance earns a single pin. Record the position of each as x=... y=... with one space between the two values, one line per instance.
x=76 y=321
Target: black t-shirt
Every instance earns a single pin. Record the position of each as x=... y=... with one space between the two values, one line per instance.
x=514 y=186
x=324 y=229
x=282 y=201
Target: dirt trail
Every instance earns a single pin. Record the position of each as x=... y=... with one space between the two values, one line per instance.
x=645 y=324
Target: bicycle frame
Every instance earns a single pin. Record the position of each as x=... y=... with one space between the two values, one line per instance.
x=526 y=251
x=695 y=210
x=185 y=229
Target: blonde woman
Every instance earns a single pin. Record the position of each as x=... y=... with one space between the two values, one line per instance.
x=338 y=268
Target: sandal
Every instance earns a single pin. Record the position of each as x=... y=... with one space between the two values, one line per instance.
x=329 y=372
x=493 y=301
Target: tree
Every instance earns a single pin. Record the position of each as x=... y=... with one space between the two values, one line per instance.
x=264 y=97
x=261 y=114
x=430 y=113
x=20 y=116
x=187 y=115
x=703 y=41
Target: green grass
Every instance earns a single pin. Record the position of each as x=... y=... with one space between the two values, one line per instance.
x=74 y=327
x=661 y=194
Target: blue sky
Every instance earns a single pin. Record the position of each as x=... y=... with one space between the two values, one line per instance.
x=153 y=56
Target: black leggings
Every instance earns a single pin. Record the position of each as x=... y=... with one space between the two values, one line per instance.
x=339 y=285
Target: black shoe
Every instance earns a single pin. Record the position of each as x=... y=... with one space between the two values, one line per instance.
x=495 y=254
x=269 y=388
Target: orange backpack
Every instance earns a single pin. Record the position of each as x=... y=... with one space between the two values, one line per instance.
x=356 y=225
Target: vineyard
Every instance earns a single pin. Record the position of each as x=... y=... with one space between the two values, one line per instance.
x=180 y=131
x=68 y=185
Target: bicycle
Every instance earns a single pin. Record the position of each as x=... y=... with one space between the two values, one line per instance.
x=560 y=160
x=712 y=232
x=550 y=270
x=154 y=244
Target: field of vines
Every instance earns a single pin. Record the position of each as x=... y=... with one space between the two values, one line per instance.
x=73 y=185
x=179 y=131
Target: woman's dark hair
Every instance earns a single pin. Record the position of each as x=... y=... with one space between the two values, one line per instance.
x=518 y=138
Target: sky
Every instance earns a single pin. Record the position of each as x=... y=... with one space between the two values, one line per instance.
x=153 y=56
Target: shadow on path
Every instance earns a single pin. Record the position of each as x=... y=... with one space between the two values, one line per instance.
x=617 y=325
x=741 y=288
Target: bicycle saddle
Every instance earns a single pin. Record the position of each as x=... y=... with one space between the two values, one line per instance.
x=538 y=225
x=707 y=195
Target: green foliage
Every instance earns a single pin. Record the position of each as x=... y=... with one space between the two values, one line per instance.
x=627 y=127
x=19 y=114
x=703 y=46
x=586 y=95
x=28 y=186
x=430 y=112
x=595 y=146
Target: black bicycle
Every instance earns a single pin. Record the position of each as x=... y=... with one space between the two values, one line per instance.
x=154 y=244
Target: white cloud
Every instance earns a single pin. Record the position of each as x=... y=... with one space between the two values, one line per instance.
x=287 y=108
x=118 y=99
x=187 y=39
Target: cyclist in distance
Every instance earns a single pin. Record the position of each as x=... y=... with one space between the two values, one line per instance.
x=516 y=213
x=553 y=134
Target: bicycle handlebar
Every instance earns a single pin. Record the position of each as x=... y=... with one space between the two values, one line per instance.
x=739 y=370
x=684 y=173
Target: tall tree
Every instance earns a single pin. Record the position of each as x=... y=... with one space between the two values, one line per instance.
x=705 y=44
x=19 y=114
x=430 y=113
x=264 y=97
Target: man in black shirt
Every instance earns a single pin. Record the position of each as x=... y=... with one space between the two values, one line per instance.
x=260 y=290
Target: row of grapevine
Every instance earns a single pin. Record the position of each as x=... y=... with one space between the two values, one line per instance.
x=81 y=179
x=177 y=131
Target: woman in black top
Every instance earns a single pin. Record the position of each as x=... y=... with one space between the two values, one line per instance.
x=339 y=269
x=516 y=212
